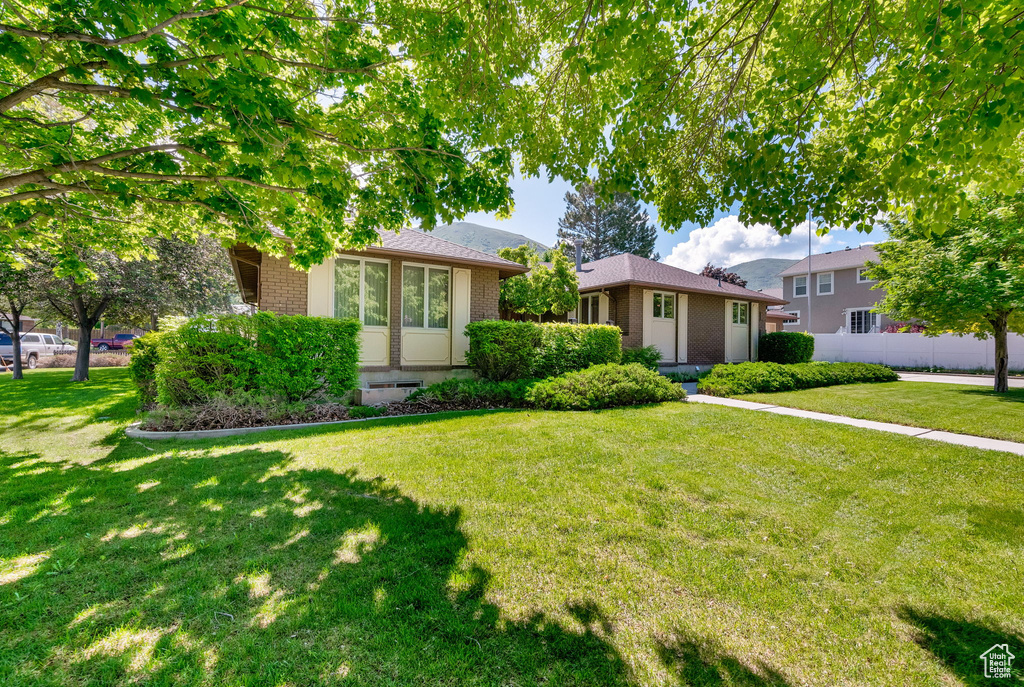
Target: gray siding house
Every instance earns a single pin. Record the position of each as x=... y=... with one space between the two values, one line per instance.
x=837 y=294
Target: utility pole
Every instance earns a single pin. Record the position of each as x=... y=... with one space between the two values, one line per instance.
x=807 y=326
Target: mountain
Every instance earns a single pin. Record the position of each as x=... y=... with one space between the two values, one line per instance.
x=486 y=239
x=762 y=273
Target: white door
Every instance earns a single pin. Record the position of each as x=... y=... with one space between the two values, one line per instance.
x=663 y=324
x=737 y=331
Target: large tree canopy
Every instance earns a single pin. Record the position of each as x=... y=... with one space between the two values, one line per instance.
x=328 y=120
x=845 y=108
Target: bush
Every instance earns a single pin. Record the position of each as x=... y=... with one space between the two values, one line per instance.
x=786 y=348
x=648 y=356
x=142 y=368
x=604 y=386
x=286 y=359
x=569 y=347
x=749 y=378
x=95 y=360
x=500 y=350
x=507 y=394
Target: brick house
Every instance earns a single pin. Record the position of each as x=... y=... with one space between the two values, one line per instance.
x=414 y=294
x=693 y=320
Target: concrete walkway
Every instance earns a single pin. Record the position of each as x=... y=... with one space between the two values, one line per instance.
x=933 y=434
x=973 y=380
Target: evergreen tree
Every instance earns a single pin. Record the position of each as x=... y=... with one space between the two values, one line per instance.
x=606 y=228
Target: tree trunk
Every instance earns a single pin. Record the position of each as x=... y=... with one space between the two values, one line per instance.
x=82 y=354
x=153 y=322
x=16 y=344
x=1002 y=382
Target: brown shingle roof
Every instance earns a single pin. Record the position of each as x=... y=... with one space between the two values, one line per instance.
x=834 y=260
x=632 y=269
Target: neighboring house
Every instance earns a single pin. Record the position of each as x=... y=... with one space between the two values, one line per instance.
x=27 y=323
x=693 y=320
x=414 y=294
x=776 y=315
x=838 y=294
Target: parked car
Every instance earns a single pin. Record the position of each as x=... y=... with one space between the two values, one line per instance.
x=119 y=342
x=33 y=348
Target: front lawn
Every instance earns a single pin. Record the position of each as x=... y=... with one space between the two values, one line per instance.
x=673 y=544
x=949 y=407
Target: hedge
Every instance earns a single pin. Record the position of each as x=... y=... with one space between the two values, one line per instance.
x=142 y=367
x=604 y=386
x=786 y=348
x=287 y=359
x=648 y=356
x=749 y=378
x=500 y=350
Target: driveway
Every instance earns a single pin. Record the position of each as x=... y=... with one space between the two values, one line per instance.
x=974 y=380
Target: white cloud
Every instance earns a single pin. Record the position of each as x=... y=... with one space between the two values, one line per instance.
x=728 y=242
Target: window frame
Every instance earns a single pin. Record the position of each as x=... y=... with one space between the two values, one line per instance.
x=362 y=291
x=664 y=295
x=740 y=312
x=831 y=282
x=863 y=281
x=585 y=308
x=874 y=321
x=800 y=295
x=426 y=296
x=792 y=312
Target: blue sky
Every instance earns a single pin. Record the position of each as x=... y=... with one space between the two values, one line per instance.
x=539 y=205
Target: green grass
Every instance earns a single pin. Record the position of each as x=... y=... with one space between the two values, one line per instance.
x=674 y=544
x=949 y=407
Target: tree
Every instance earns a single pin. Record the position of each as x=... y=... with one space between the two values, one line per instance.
x=720 y=273
x=545 y=288
x=16 y=296
x=969 y=280
x=606 y=228
x=327 y=120
x=843 y=108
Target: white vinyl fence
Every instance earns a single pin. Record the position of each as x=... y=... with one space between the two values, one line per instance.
x=916 y=350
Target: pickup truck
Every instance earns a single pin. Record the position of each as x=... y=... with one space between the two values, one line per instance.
x=33 y=347
x=118 y=342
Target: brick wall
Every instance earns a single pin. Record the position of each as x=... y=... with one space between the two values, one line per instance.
x=483 y=296
x=282 y=287
x=706 y=329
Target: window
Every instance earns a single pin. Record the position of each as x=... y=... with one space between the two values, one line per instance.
x=361 y=290
x=824 y=283
x=425 y=292
x=794 y=313
x=590 y=309
x=740 y=313
x=800 y=286
x=31 y=338
x=664 y=305
x=861 y=278
x=50 y=339
x=863 y=321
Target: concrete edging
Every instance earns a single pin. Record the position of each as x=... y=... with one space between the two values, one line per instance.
x=133 y=432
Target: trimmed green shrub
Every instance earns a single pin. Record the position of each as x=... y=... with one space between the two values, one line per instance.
x=500 y=350
x=786 y=348
x=286 y=359
x=507 y=394
x=749 y=378
x=604 y=386
x=648 y=356
x=568 y=347
x=142 y=366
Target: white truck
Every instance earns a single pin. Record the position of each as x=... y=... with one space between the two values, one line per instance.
x=34 y=347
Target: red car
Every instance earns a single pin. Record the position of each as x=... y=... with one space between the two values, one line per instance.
x=118 y=342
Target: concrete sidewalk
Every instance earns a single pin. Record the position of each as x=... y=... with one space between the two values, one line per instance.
x=973 y=380
x=933 y=434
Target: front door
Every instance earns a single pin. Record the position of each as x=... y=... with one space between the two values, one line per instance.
x=737 y=338
x=663 y=324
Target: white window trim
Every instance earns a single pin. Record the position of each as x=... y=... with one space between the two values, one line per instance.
x=426 y=297
x=664 y=295
x=792 y=312
x=849 y=319
x=585 y=307
x=362 y=291
x=817 y=283
x=739 y=306
x=863 y=281
x=800 y=295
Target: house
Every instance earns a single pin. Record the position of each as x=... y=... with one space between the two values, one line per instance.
x=693 y=320
x=836 y=297
x=414 y=294
x=776 y=315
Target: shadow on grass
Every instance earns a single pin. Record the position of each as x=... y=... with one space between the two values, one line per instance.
x=48 y=396
x=1014 y=395
x=196 y=568
x=692 y=660
x=959 y=644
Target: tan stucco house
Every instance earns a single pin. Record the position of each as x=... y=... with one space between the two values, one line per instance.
x=837 y=294
x=414 y=294
x=693 y=320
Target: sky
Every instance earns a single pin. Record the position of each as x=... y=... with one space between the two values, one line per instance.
x=726 y=242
